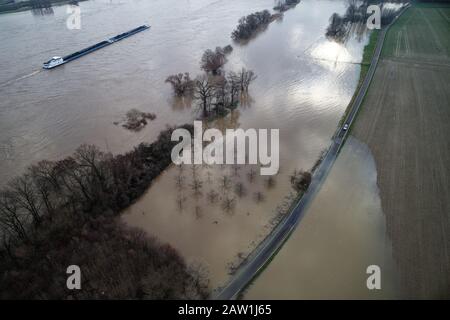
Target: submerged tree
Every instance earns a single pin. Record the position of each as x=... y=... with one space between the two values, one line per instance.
x=240 y=190
x=259 y=196
x=245 y=78
x=234 y=87
x=213 y=61
x=212 y=196
x=225 y=182
x=204 y=91
x=228 y=204
x=181 y=83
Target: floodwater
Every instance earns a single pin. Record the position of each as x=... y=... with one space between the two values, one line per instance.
x=304 y=84
x=343 y=232
x=47 y=114
x=303 y=87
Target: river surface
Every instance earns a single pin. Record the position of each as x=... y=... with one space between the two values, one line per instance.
x=304 y=84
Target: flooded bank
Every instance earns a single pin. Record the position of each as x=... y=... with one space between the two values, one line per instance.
x=343 y=232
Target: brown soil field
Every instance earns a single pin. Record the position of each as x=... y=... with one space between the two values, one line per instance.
x=405 y=121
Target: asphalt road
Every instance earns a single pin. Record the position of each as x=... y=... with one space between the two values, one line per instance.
x=272 y=243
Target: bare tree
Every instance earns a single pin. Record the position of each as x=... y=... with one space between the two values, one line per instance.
x=250 y=24
x=25 y=195
x=208 y=176
x=11 y=220
x=240 y=190
x=180 y=202
x=76 y=181
x=182 y=84
x=234 y=87
x=213 y=61
x=300 y=180
x=197 y=185
x=204 y=91
x=225 y=182
x=221 y=89
x=259 y=196
x=44 y=188
x=236 y=169
x=179 y=182
x=251 y=175
x=270 y=182
x=198 y=212
x=90 y=156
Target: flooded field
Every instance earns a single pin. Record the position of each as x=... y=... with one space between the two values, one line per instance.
x=342 y=234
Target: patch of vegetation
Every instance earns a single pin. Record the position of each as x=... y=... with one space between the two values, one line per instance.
x=284 y=5
x=63 y=212
x=217 y=93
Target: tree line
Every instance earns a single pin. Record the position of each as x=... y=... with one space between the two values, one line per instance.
x=63 y=212
x=215 y=90
x=250 y=24
x=356 y=13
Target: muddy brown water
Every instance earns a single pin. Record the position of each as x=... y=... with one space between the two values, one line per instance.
x=303 y=87
x=343 y=232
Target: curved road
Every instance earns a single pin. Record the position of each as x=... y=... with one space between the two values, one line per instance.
x=274 y=241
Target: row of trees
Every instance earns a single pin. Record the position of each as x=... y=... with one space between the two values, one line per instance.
x=215 y=93
x=215 y=90
x=62 y=212
x=250 y=24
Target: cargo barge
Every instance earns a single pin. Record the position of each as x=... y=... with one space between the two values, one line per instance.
x=57 y=61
